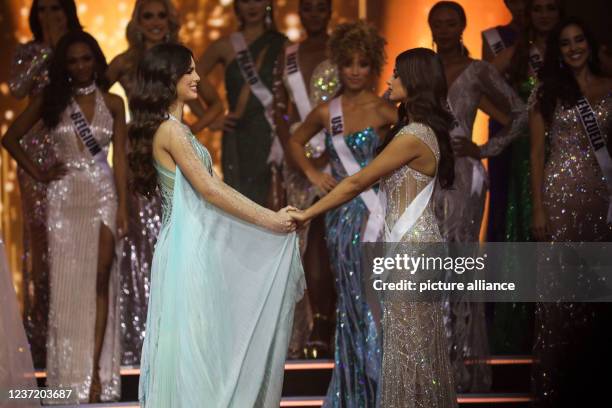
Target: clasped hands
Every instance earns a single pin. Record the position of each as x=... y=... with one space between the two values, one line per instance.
x=293 y=218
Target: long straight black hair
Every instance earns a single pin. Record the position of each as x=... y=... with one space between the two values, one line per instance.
x=69 y=8
x=422 y=74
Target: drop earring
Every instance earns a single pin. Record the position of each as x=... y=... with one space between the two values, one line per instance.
x=268 y=20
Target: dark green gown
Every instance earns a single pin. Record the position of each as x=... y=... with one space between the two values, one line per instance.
x=245 y=151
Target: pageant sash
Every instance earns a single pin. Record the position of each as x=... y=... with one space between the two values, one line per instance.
x=370 y=197
x=83 y=130
x=296 y=82
x=494 y=40
x=411 y=214
x=479 y=176
x=536 y=61
x=262 y=93
x=598 y=144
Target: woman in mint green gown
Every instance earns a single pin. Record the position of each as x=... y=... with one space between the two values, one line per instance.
x=226 y=272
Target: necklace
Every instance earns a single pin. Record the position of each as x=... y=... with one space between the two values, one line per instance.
x=85 y=90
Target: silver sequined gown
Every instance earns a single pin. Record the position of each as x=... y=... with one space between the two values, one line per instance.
x=575 y=199
x=460 y=210
x=79 y=204
x=416 y=370
x=144 y=217
x=29 y=75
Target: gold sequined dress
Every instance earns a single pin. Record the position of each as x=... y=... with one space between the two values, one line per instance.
x=80 y=203
x=570 y=338
x=416 y=371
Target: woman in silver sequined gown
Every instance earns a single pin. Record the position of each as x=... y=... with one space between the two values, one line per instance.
x=571 y=204
x=86 y=217
x=460 y=209
x=153 y=22
x=320 y=82
x=416 y=371
x=28 y=76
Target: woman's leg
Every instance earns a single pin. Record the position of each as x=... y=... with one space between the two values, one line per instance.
x=106 y=252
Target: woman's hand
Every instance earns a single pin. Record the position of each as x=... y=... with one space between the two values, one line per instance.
x=226 y=123
x=322 y=180
x=56 y=172
x=122 y=222
x=300 y=217
x=539 y=224
x=464 y=147
x=285 y=223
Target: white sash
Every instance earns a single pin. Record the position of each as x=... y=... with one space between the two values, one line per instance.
x=536 y=61
x=598 y=144
x=249 y=72
x=369 y=197
x=83 y=130
x=479 y=175
x=296 y=82
x=411 y=214
x=494 y=40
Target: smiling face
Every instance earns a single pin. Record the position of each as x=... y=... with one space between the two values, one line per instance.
x=51 y=13
x=187 y=85
x=252 y=12
x=80 y=64
x=153 y=21
x=315 y=15
x=397 y=91
x=574 y=46
x=545 y=15
x=446 y=28
x=356 y=73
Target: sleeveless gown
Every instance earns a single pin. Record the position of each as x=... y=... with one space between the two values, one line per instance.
x=416 y=371
x=79 y=205
x=223 y=293
x=357 y=344
x=244 y=152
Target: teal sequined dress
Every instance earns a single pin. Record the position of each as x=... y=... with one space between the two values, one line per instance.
x=222 y=297
x=357 y=354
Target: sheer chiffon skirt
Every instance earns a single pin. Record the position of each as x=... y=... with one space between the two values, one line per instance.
x=223 y=294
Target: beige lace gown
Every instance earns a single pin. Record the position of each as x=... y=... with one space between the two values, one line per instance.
x=416 y=371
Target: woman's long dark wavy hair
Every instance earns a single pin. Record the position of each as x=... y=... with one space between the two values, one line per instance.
x=558 y=82
x=518 y=70
x=422 y=74
x=156 y=77
x=57 y=94
x=70 y=11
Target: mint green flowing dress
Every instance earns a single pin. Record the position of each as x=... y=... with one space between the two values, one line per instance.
x=222 y=297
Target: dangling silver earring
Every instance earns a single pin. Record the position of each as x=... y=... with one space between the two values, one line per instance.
x=268 y=20
x=167 y=37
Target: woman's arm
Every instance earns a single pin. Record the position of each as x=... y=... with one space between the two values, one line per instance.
x=120 y=160
x=314 y=123
x=178 y=143
x=22 y=125
x=537 y=132
x=214 y=106
x=115 y=69
x=403 y=149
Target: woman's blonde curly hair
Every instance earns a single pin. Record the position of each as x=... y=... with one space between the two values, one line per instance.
x=361 y=37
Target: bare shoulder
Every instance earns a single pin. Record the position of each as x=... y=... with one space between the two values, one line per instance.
x=114 y=102
x=386 y=110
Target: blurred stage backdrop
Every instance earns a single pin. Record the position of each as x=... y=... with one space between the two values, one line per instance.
x=402 y=22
